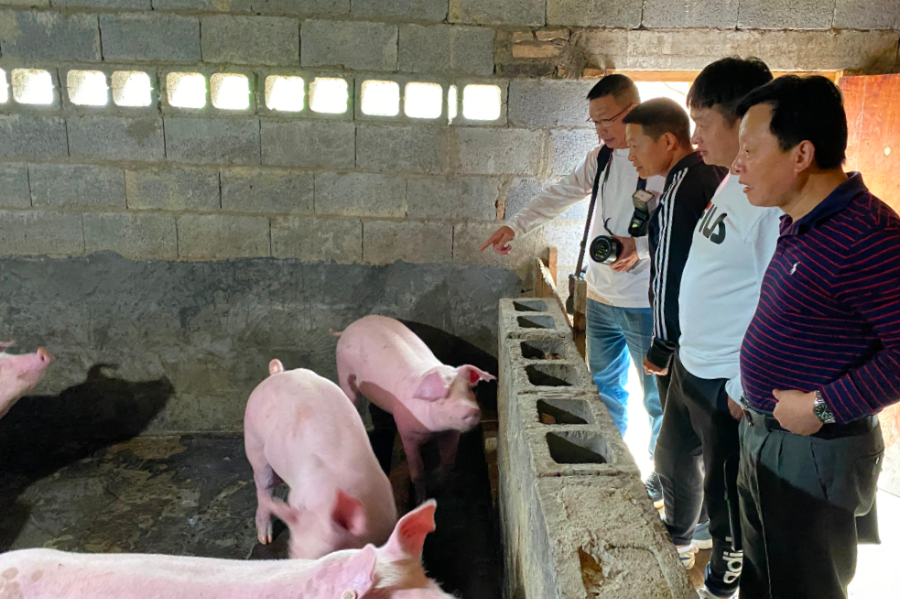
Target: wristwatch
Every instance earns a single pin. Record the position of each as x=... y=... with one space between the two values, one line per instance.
x=821 y=409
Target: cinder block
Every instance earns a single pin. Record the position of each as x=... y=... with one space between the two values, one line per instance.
x=589 y=13
x=323 y=144
x=222 y=237
x=317 y=239
x=29 y=136
x=76 y=185
x=522 y=190
x=292 y=7
x=556 y=376
x=538 y=347
x=385 y=242
x=40 y=233
x=198 y=5
x=212 y=141
x=498 y=12
x=263 y=40
x=468 y=198
x=516 y=322
x=14 y=192
x=150 y=37
x=875 y=14
x=604 y=540
x=123 y=4
x=469 y=237
x=548 y=103
x=360 y=194
x=575 y=450
x=132 y=235
x=570 y=147
x=401 y=148
x=492 y=151
x=717 y=14
x=449 y=48
x=49 y=36
x=795 y=14
x=412 y=10
x=116 y=138
x=23 y=3
x=267 y=191
x=352 y=44
x=172 y=189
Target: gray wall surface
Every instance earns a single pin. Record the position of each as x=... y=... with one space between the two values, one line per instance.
x=222 y=212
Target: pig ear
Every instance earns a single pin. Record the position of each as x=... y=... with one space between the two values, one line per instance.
x=349 y=513
x=283 y=511
x=360 y=573
x=275 y=366
x=409 y=535
x=432 y=387
x=474 y=375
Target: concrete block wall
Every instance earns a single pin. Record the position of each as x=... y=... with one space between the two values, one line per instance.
x=575 y=516
x=169 y=185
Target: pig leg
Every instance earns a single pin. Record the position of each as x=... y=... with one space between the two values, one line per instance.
x=266 y=480
x=412 y=447
x=448 y=443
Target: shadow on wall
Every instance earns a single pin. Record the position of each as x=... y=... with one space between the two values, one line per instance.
x=43 y=434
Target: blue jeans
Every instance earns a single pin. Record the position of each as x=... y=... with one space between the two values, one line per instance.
x=612 y=335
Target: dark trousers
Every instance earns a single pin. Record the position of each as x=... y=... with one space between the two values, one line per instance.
x=800 y=498
x=698 y=430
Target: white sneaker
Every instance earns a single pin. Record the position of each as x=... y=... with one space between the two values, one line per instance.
x=702 y=538
x=705 y=593
x=687 y=555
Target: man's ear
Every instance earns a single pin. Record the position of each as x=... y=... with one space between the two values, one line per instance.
x=804 y=156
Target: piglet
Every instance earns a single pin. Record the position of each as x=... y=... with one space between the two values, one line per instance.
x=19 y=374
x=393 y=571
x=301 y=429
x=385 y=361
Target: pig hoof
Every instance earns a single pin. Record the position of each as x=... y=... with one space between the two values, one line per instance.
x=264 y=535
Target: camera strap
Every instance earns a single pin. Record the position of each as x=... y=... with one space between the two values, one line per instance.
x=603 y=163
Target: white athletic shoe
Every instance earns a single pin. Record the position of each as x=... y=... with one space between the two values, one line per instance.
x=687 y=554
x=705 y=593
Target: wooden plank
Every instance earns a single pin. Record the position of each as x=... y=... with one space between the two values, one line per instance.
x=552 y=263
x=689 y=76
x=544 y=288
x=872 y=104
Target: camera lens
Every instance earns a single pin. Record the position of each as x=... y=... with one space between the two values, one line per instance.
x=605 y=249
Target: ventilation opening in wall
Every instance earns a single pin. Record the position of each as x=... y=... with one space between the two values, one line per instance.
x=380 y=98
x=482 y=102
x=131 y=89
x=423 y=100
x=186 y=90
x=87 y=88
x=4 y=88
x=230 y=91
x=329 y=95
x=32 y=86
x=580 y=447
x=284 y=94
x=452 y=103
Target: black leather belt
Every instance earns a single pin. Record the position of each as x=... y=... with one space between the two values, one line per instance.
x=828 y=431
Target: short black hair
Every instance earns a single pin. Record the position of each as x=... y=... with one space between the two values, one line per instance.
x=805 y=108
x=722 y=84
x=619 y=87
x=659 y=116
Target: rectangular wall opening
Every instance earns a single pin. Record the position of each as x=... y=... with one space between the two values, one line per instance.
x=536 y=322
x=543 y=349
x=132 y=89
x=551 y=375
x=530 y=306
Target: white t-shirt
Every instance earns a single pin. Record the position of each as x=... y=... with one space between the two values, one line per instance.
x=620 y=289
x=731 y=249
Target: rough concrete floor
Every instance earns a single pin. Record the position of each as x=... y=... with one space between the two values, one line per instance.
x=75 y=476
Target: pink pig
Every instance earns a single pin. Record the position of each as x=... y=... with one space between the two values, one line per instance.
x=385 y=361
x=390 y=572
x=299 y=428
x=19 y=374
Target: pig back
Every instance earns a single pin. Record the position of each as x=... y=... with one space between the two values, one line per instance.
x=384 y=353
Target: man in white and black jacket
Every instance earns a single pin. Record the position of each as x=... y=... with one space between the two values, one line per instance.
x=732 y=245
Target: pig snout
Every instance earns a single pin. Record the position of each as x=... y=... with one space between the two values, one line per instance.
x=44 y=356
x=469 y=415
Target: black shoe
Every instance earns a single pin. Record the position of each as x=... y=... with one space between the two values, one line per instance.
x=654 y=488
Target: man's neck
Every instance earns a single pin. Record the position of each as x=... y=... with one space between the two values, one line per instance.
x=812 y=190
x=677 y=157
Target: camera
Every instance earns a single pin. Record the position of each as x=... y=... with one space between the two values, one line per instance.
x=605 y=249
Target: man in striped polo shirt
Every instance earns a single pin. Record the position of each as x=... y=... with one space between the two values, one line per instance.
x=822 y=354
